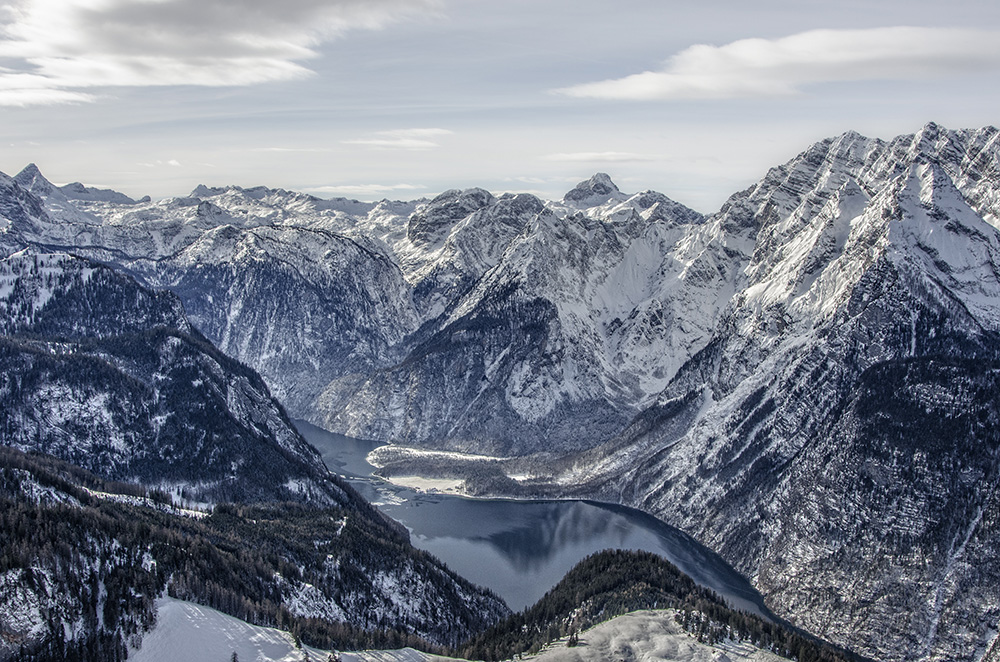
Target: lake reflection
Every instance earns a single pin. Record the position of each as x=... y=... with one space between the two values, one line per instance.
x=521 y=549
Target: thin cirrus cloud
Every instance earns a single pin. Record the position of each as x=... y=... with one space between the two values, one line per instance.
x=781 y=67
x=57 y=49
x=364 y=190
x=174 y=163
x=597 y=157
x=406 y=139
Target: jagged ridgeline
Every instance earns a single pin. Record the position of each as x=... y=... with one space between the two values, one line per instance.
x=616 y=582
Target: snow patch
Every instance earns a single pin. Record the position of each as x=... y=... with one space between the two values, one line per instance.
x=648 y=636
x=429 y=485
x=187 y=632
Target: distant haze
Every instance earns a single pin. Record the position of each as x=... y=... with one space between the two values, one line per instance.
x=401 y=99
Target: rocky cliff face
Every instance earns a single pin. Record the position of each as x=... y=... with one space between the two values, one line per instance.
x=300 y=305
x=837 y=438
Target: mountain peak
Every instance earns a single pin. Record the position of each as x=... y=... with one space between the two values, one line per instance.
x=203 y=191
x=77 y=191
x=30 y=170
x=927 y=137
x=931 y=129
x=601 y=184
x=445 y=210
x=32 y=179
x=591 y=192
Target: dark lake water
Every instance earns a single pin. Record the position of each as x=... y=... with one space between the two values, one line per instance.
x=521 y=549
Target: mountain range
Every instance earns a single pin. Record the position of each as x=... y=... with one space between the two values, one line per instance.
x=805 y=380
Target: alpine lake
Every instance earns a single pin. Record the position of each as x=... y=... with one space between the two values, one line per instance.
x=521 y=548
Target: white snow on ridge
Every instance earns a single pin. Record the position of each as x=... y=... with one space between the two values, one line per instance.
x=188 y=632
x=956 y=246
x=645 y=636
x=146 y=502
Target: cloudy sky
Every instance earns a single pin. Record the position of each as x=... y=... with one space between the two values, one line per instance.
x=405 y=98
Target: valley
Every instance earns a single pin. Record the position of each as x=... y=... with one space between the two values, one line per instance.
x=520 y=549
x=803 y=383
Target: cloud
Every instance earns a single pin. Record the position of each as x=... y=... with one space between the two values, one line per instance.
x=60 y=47
x=527 y=180
x=174 y=163
x=598 y=157
x=393 y=143
x=280 y=150
x=24 y=97
x=364 y=190
x=780 y=67
x=409 y=139
x=416 y=133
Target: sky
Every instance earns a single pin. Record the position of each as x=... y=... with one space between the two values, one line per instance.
x=402 y=99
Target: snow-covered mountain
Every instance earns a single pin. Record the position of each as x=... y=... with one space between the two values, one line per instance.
x=370 y=296
x=252 y=283
x=111 y=376
x=805 y=380
x=838 y=438
x=572 y=329
x=32 y=179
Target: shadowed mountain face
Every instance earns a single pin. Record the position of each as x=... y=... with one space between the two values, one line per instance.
x=110 y=376
x=805 y=380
